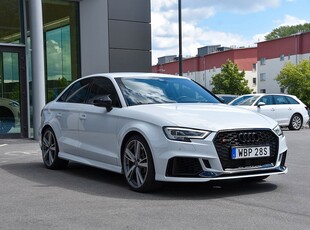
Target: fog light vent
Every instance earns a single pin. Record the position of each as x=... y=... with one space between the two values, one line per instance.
x=183 y=167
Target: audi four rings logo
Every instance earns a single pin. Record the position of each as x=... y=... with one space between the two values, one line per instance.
x=248 y=137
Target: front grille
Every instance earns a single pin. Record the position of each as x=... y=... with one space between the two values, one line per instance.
x=225 y=140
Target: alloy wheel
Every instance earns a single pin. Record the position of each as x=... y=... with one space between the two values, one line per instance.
x=50 y=151
x=49 y=148
x=136 y=163
x=296 y=122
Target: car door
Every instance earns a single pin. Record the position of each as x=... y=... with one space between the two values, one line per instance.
x=97 y=125
x=268 y=108
x=67 y=111
x=284 y=109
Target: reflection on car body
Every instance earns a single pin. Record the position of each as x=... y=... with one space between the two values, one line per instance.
x=154 y=128
x=9 y=114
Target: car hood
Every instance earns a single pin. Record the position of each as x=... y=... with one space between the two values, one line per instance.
x=211 y=117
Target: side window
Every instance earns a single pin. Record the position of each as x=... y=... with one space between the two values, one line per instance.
x=103 y=86
x=77 y=92
x=266 y=99
x=280 y=100
x=292 y=100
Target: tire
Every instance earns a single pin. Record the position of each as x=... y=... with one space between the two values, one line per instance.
x=50 y=151
x=296 y=122
x=7 y=120
x=138 y=165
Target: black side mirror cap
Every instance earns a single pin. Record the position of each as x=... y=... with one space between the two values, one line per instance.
x=104 y=101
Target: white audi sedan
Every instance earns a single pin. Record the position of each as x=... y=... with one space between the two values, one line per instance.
x=154 y=128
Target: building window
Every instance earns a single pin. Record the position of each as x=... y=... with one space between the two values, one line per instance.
x=262 y=90
x=262 y=77
x=282 y=90
x=10 y=22
x=282 y=57
x=254 y=80
x=60 y=20
x=254 y=67
x=263 y=61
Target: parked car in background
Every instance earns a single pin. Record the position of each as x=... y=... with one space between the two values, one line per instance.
x=226 y=98
x=309 y=117
x=9 y=114
x=287 y=110
x=155 y=127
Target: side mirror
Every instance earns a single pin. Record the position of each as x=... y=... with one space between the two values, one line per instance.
x=104 y=101
x=261 y=104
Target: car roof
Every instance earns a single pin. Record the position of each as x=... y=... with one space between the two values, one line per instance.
x=232 y=95
x=266 y=94
x=134 y=75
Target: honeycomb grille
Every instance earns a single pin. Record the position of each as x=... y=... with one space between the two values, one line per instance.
x=183 y=167
x=225 y=140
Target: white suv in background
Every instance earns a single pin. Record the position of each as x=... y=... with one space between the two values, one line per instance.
x=287 y=110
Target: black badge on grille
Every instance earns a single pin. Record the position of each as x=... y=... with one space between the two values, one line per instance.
x=248 y=137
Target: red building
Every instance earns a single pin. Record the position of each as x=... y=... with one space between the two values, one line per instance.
x=202 y=68
x=261 y=64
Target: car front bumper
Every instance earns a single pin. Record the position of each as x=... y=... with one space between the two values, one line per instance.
x=200 y=161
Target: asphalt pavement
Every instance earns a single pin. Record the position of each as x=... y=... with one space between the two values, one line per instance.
x=80 y=197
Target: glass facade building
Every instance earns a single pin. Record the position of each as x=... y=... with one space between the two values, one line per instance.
x=79 y=38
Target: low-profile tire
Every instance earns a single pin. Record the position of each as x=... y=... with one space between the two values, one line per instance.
x=50 y=151
x=296 y=122
x=138 y=165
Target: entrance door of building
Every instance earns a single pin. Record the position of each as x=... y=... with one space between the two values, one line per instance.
x=13 y=92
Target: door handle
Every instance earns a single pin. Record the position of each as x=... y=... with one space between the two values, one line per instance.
x=59 y=115
x=83 y=116
x=272 y=109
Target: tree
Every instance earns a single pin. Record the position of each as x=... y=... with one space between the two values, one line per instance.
x=230 y=80
x=296 y=80
x=284 y=31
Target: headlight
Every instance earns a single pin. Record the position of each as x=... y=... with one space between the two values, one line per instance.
x=278 y=130
x=184 y=134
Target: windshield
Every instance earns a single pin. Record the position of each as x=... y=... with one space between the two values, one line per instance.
x=244 y=100
x=159 y=90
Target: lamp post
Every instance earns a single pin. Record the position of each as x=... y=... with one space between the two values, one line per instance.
x=180 y=38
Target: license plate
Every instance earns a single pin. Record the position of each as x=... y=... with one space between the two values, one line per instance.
x=250 y=152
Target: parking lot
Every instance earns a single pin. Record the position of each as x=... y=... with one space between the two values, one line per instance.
x=81 y=197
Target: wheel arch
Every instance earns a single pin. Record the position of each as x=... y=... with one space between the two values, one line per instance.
x=297 y=113
x=129 y=135
x=45 y=127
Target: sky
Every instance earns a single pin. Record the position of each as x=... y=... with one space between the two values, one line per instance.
x=230 y=23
